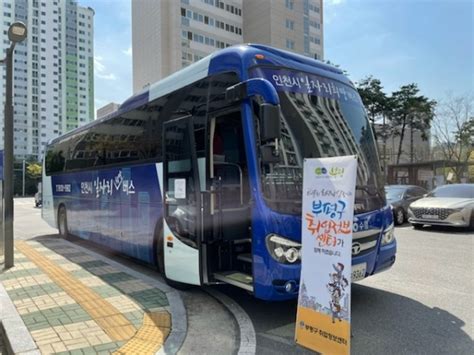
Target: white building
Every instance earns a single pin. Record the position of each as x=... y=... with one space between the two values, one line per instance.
x=417 y=146
x=53 y=71
x=169 y=35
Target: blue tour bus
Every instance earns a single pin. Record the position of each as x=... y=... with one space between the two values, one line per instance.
x=201 y=173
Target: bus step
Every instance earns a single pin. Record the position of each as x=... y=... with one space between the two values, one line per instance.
x=243 y=241
x=236 y=278
x=245 y=257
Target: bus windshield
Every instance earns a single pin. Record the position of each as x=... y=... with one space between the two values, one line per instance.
x=320 y=118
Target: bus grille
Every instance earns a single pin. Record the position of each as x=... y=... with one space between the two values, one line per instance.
x=364 y=245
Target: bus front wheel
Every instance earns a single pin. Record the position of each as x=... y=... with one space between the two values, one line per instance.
x=62 y=222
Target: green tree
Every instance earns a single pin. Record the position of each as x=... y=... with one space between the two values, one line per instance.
x=373 y=97
x=33 y=171
x=413 y=111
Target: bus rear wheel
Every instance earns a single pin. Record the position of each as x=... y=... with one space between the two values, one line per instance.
x=161 y=262
x=62 y=222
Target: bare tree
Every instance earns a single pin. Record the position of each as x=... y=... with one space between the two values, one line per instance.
x=453 y=130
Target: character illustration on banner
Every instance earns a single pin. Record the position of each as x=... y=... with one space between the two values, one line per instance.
x=336 y=287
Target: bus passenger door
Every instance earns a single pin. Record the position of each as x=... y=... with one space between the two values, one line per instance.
x=182 y=202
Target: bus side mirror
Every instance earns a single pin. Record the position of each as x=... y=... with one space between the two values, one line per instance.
x=269 y=154
x=269 y=122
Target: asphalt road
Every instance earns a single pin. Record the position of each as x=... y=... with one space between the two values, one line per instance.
x=423 y=305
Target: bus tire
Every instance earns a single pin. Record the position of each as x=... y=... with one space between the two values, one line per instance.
x=160 y=258
x=62 y=222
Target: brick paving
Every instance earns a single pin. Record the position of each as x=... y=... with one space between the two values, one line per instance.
x=74 y=303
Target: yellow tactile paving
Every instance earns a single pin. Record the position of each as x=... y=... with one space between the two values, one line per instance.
x=114 y=324
x=150 y=337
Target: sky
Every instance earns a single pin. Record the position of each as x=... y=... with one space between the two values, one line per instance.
x=428 y=42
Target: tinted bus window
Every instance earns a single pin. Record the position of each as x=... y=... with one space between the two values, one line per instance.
x=134 y=136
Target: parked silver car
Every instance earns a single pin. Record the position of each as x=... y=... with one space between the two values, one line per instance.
x=400 y=197
x=447 y=205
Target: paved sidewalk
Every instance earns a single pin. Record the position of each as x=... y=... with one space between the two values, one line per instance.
x=74 y=302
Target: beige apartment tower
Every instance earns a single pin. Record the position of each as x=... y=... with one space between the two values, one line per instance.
x=168 y=35
x=294 y=25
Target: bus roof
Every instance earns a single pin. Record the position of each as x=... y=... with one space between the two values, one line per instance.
x=238 y=58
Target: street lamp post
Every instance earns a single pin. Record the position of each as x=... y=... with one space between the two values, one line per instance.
x=16 y=33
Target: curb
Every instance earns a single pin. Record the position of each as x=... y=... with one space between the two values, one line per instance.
x=248 y=338
x=18 y=339
x=176 y=308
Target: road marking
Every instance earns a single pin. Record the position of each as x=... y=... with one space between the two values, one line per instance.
x=114 y=324
x=151 y=335
x=248 y=338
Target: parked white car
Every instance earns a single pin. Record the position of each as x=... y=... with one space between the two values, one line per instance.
x=447 y=205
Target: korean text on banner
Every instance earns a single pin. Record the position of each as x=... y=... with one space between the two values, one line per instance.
x=323 y=315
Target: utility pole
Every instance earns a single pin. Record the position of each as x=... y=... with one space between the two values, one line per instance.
x=384 y=148
x=411 y=139
x=16 y=33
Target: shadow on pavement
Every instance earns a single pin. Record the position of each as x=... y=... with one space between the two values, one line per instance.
x=446 y=229
x=382 y=323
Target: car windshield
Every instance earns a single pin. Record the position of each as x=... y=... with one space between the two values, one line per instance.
x=394 y=193
x=320 y=118
x=456 y=191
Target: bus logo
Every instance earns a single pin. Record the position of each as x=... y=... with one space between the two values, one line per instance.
x=334 y=171
x=356 y=248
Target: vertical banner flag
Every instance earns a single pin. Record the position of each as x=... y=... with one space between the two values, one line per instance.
x=323 y=315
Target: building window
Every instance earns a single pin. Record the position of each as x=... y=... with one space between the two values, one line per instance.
x=290 y=24
x=289 y=4
x=290 y=44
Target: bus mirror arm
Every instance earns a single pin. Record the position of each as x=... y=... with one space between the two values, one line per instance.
x=253 y=87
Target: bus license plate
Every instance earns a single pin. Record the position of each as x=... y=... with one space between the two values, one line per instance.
x=358 y=272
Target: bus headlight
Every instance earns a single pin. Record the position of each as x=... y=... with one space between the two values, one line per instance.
x=388 y=235
x=283 y=250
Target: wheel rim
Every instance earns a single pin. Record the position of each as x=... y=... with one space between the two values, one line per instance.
x=400 y=217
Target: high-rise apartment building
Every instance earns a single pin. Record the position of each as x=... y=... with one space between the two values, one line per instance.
x=53 y=71
x=295 y=25
x=169 y=35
